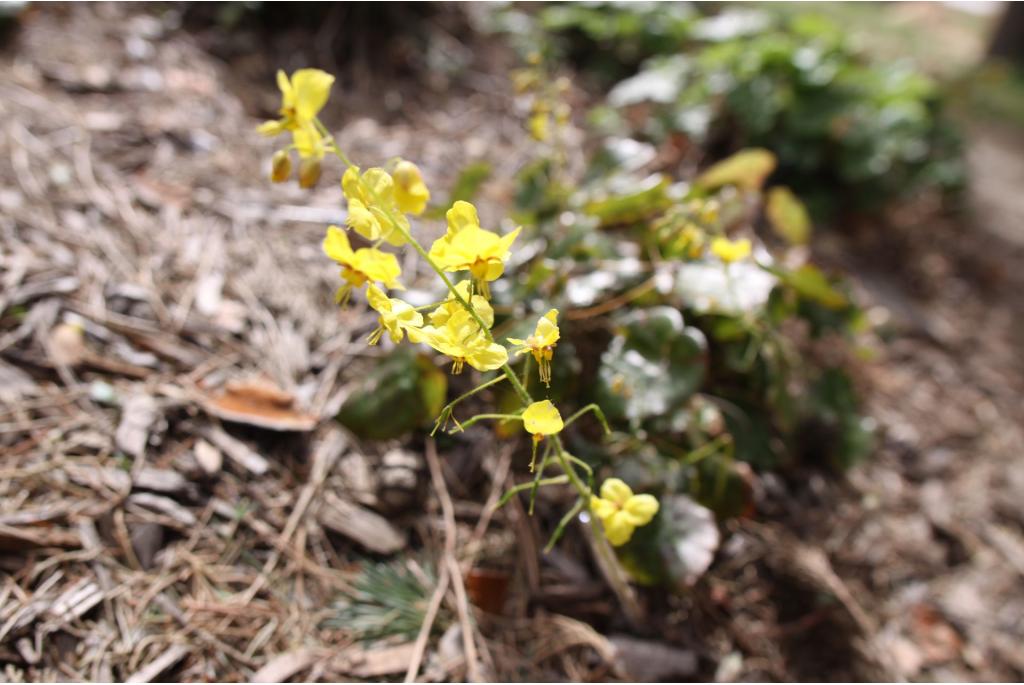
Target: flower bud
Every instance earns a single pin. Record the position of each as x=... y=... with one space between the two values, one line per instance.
x=309 y=172
x=280 y=166
x=407 y=174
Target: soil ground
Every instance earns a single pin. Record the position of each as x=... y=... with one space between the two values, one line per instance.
x=138 y=537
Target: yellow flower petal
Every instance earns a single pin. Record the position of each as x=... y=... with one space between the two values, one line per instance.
x=618 y=529
x=411 y=192
x=615 y=490
x=309 y=143
x=731 y=251
x=363 y=221
x=271 y=128
x=364 y=264
x=461 y=215
x=640 y=509
x=602 y=508
x=487 y=357
x=311 y=88
x=336 y=245
x=542 y=418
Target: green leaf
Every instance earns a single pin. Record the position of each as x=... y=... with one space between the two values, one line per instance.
x=809 y=282
x=403 y=392
x=788 y=216
x=634 y=205
x=747 y=169
x=652 y=366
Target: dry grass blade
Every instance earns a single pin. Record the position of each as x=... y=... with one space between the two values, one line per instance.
x=450 y=542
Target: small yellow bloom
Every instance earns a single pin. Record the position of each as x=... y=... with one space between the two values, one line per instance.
x=690 y=241
x=396 y=316
x=541 y=419
x=730 y=251
x=372 y=206
x=451 y=306
x=621 y=511
x=367 y=264
x=302 y=98
x=466 y=246
x=538 y=125
x=461 y=338
x=541 y=344
x=411 y=192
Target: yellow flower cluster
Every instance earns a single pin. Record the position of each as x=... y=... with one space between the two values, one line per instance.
x=455 y=333
x=380 y=202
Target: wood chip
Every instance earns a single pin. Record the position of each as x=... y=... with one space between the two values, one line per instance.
x=284 y=666
x=139 y=415
x=164 y=505
x=66 y=345
x=374 y=663
x=15 y=538
x=99 y=478
x=649 y=661
x=160 y=480
x=259 y=403
x=208 y=457
x=154 y=668
x=366 y=527
x=237 y=451
x=75 y=601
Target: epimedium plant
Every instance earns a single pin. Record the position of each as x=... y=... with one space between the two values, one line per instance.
x=460 y=326
x=708 y=349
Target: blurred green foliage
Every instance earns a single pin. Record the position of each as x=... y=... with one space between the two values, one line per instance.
x=405 y=391
x=849 y=134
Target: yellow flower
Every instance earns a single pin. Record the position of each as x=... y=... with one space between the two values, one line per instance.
x=461 y=338
x=396 y=316
x=372 y=206
x=411 y=192
x=730 y=251
x=445 y=310
x=541 y=344
x=302 y=98
x=621 y=511
x=466 y=246
x=538 y=125
x=360 y=266
x=541 y=419
x=309 y=143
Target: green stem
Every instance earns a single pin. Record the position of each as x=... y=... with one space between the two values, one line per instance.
x=526 y=371
x=597 y=411
x=705 y=450
x=569 y=516
x=447 y=410
x=481 y=417
x=512 y=492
